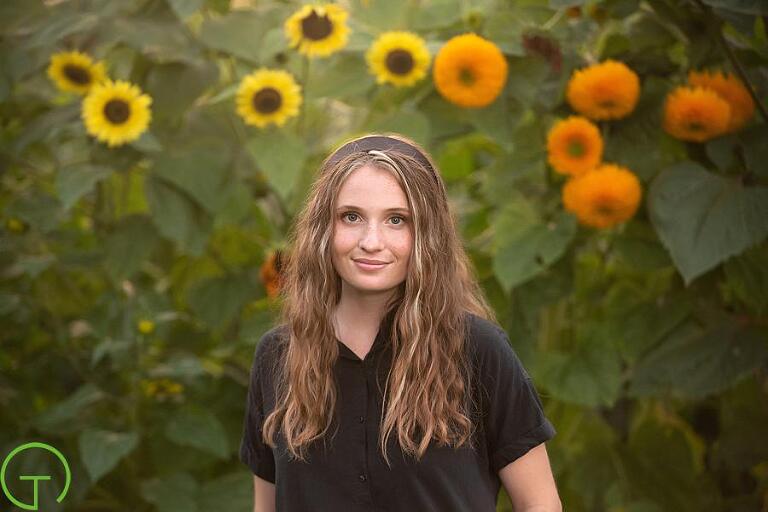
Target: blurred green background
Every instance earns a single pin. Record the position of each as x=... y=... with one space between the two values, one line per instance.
x=137 y=279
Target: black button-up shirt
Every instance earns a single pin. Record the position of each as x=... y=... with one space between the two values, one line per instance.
x=350 y=473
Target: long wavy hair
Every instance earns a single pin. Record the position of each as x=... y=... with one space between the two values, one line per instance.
x=428 y=389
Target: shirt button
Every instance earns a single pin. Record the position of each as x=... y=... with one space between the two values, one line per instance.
x=362 y=477
x=361 y=419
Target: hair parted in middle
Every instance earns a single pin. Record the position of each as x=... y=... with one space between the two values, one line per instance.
x=428 y=390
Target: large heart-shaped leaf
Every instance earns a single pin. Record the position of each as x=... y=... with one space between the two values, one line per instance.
x=703 y=218
x=101 y=450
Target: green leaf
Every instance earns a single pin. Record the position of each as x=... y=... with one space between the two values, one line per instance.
x=177 y=217
x=754 y=7
x=64 y=411
x=407 y=122
x=199 y=429
x=664 y=462
x=129 y=245
x=590 y=375
x=161 y=41
x=525 y=245
x=175 y=85
x=172 y=493
x=232 y=492
x=240 y=33
x=72 y=183
x=219 y=299
x=703 y=218
x=280 y=156
x=101 y=450
x=436 y=14
x=198 y=171
x=185 y=8
x=344 y=76
x=747 y=279
x=697 y=364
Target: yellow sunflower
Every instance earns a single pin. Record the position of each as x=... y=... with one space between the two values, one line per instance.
x=574 y=146
x=116 y=112
x=603 y=197
x=608 y=90
x=75 y=72
x=696 y=114
x=268 y=96
x=317 y=30
x=398 y=57
x=470 y=71
x=732 y=90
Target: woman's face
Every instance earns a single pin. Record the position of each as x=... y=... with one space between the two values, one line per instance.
x=372 y=221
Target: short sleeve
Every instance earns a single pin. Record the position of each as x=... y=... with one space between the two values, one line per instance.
x=254 y=452
x=514 y=419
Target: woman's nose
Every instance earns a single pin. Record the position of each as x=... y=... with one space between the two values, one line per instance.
x=371 y=239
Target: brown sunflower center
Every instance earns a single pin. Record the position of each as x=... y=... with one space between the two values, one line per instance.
x=607 y=104
x=466 y=76
x=117 y=111
x=604 y=207
x=576 y=148
x=399 y=62
x=316 y=27
x=696 y=127
x=267 y=100
x=77 y=74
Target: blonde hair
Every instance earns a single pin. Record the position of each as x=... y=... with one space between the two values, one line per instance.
x=428 y=389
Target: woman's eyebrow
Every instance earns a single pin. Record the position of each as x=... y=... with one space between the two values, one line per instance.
x=352 y=207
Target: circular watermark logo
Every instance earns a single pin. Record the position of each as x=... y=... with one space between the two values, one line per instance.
x=34 y=478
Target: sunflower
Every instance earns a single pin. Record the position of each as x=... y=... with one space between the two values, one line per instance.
x=400 y=58
x=116 y=112
x=574 y=146
x=270 y=273
x=470 y=71
x=317 y=30
x=732 y=90
x=696 y=114
x=75 y=72
x=608 y=90
x=268 y=96
x=604 y=196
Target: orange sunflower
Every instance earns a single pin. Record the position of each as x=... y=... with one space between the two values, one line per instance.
x=608 y=90
x=470 y=71
x=574 y=146
x=696 y=114
x=732 y=90
x=270 y=273
x=603 y=197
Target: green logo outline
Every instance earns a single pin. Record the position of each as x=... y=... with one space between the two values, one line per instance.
x=34 y=478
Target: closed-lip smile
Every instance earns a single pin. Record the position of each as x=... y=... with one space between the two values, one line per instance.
x=370 y=262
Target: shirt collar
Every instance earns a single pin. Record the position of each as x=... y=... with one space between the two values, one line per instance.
x=379 y=343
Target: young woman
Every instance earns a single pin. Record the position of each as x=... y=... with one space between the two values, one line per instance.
x=388 y=385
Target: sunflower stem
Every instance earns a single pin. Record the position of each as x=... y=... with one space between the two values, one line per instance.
x=715 y=25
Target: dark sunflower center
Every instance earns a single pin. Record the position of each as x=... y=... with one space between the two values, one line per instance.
x=400 y=62
x=604 y=207
x=696 y=127
x=466 y=76
x=607 y=104
x=77 y=74
x=267 y=100
x=576 y=148
x=117 y=111
x=316 y=27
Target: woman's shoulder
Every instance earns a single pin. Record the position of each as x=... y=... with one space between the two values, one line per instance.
x=486 y=337
x=270 y=346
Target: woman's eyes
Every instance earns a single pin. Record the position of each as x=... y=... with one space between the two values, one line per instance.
x=402 y=219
